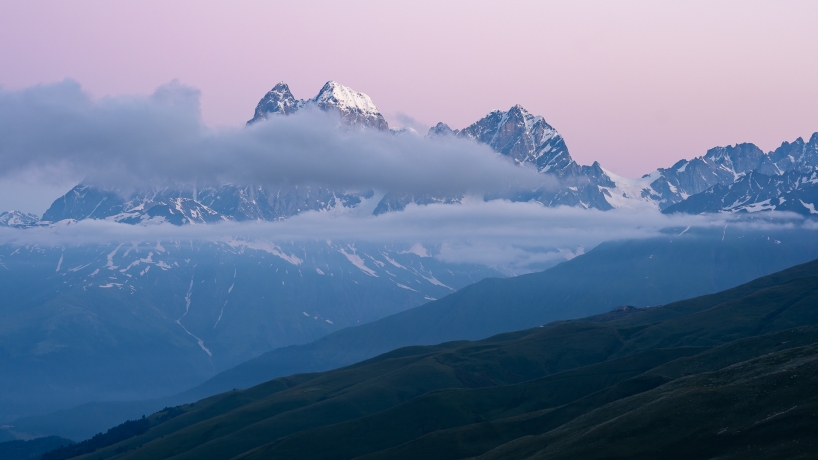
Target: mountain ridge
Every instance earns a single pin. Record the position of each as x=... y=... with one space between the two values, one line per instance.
x=524 y=138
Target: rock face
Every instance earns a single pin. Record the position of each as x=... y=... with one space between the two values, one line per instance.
x=752 y=192
x=721 y=165
x=355 y=109
x=527 y=140
x=278 y=100
x=523 y=137
x=744 y=179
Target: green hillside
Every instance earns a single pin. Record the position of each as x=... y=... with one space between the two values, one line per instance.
x=730 y=374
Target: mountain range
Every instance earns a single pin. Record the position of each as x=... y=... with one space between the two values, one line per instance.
x=729 y=375
x=639 y=273
x=168 y=315
x=134 y=322
x=739 y=178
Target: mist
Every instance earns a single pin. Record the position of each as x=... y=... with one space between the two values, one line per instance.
x=512 y=236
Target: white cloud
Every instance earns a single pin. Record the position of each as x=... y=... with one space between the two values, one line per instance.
x=153 y=140
x=518 y=237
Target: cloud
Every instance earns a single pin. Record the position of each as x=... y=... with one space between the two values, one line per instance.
x=157 y=139
x=407 y=121
x=516 y=237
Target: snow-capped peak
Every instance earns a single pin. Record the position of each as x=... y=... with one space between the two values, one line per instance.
x=338 y=95
x=17 y=219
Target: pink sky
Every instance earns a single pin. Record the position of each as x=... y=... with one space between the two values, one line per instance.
x=634 y=85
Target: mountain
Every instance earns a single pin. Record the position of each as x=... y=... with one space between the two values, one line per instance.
x=743 y=164
x=754 y=191
x=523 y=137
x=32 y=449
x=517 y=134
x=187 y=205
x=526 y=139
x=18 y=219
x=715 y=376
x=638 y=273
x=148 y=319
x=355 y=109
x=76 y=317
x=180 y=205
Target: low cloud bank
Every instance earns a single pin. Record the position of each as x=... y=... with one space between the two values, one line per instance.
x=136 y=141
x=517 y=237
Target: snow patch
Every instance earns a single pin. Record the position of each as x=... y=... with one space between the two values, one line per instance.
x=809 y=206
x=110 y=265
x=356 y=260
x=392 y=261
x=266 y=247
x=436 y=282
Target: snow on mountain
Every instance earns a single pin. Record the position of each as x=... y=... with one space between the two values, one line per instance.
x=18 y=219
x=742 y=178
x=630 y=193
x=181 y=206
x=277 y=100
x=711 y=183
x=525 y=138
x=355 y=109
x=754 y=191
x=184 y=310
x=528 y=140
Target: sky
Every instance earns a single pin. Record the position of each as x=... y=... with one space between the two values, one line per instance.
x=635 y=85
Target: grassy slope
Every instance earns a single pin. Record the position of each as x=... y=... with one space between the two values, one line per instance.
x=761 y=308
x=762 y=408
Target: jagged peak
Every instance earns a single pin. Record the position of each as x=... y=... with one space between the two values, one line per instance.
x=518 y=108
x=277 y=100
x=338 y=95
x=440 y=129
x=281 y=91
